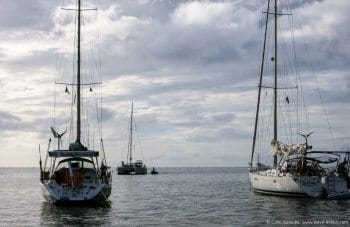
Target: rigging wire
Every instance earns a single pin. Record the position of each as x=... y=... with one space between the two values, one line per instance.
x=61 y=61
x=322 y=102
x=297 y=71
x=71 y=125
x=138 y=140
x=313 y=74
x=298 y=81
x=285 y=83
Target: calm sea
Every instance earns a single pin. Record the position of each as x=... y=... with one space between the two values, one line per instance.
x=176 y=196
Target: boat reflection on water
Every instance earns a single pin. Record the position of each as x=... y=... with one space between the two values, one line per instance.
x=75 y=215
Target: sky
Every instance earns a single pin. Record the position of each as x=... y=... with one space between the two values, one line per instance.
x=191 y=68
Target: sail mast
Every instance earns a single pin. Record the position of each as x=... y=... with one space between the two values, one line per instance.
x=275 y=88
x=78 y=80
x=130 y=138
x=260 y=83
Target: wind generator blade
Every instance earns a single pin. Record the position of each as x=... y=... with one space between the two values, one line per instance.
x=301 y=134
x=309 y=134
x=54 y=133
x=60 y=135
x=305 y=136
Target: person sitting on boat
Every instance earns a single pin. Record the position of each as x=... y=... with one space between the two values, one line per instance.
x=315 y=169
x=104 y=177
x=341 y=169
x=324 y=193
x=301 y=166
x=154 y=171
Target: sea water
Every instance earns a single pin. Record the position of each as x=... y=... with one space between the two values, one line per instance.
x=175 y=197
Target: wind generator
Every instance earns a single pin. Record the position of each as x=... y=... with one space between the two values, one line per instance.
x=58 y=136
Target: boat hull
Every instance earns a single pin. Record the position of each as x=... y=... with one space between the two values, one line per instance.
x=329 y=186
x=124 y=170
x=100 y=198
x=275 y=184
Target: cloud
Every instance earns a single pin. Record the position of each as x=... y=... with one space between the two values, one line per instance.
x=9 y=121
x=201 y=13
x=192 y=65
x=33 y=15
x=217 y=135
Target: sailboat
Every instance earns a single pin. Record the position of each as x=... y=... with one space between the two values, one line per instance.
x=297 y=169
x=75 y=175
x=130 y=167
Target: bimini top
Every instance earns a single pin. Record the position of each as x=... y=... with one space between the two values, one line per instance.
x=75 y=159
x=70 y=153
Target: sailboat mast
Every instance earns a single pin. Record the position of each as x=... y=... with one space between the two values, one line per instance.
x=78 y=79
x=275 y=88
x=260 y=83
x=130 y=142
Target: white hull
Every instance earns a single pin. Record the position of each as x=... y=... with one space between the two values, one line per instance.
x=54 y=193
x=274 y=182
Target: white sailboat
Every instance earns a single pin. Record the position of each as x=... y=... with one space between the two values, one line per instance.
x=296 y=170
x=129 y=167
x=75 y=175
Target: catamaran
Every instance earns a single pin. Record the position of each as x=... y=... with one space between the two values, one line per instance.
x=297 y=169
x=75 y=175
x=130 y=167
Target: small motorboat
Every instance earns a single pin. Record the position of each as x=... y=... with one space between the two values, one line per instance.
x=154 y=171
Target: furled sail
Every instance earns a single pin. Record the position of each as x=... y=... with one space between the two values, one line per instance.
x=285 y=149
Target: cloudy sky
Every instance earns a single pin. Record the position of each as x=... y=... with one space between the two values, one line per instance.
x=191 y=68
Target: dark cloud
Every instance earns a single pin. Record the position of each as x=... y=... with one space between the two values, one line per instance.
x=223 y=117
x=107 y=114
x=25 y=15
x=218 y=135
x=9 y=121
x=297 y=4
x=35 y=60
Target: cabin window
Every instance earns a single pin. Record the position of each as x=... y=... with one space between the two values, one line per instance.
x=75 y=164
